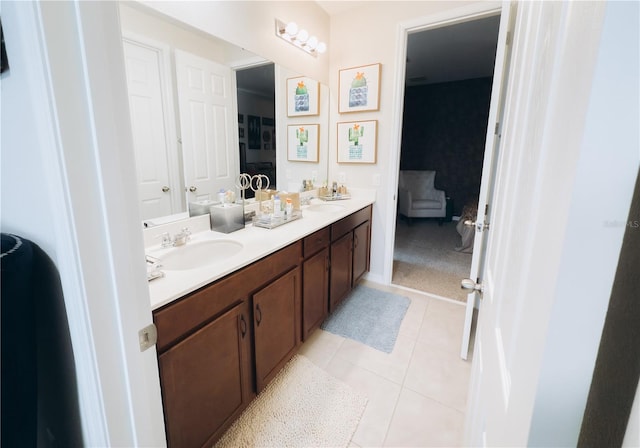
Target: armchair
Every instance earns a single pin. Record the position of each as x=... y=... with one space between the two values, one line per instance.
x=417 y=196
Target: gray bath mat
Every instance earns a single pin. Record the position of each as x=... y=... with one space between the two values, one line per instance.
x=370 y=316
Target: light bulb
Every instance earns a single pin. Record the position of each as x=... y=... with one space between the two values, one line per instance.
x=312 y=43
x=322 y=47
x=292 y=29
x=302 y=36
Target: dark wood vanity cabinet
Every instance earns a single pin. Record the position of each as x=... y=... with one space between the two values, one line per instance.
x=341 y=269
x=315 y=280
x=206 y=379
x=361 y=249
x=276 y=319
x=350 y=249
x=211 y=362
x=222 y=344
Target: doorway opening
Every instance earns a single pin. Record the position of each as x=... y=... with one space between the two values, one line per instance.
x=256 y=121
x=448 y=80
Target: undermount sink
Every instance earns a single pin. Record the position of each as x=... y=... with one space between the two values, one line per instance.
x=199 y=254
x=325 y=208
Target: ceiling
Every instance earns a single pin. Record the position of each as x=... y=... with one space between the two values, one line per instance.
x=452 y=53
x=258 y=80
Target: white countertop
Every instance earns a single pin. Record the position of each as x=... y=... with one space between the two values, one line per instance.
x=257 y=243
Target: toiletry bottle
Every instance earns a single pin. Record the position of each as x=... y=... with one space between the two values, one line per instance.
x=221 y=196
x=288 y=208
x=277 y=210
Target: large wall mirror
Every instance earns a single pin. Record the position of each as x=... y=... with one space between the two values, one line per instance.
x=203 y=110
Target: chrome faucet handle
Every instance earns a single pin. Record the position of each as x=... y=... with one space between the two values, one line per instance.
x=166 y=239
x=186 y=232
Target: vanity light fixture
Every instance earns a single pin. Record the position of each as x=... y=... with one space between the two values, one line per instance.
x=299 y=38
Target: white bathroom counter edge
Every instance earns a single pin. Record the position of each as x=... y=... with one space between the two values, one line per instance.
x=258 y=242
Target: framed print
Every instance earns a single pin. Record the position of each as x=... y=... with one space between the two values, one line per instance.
x=243 y=156
x=302 y=142
x=359 y=89
x=255 y=136
x=302 y=97
x=357 y=141
x=267 y=132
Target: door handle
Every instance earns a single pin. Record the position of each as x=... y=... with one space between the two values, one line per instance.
x=479 y=226
x=470 y=285
x=165 y=189
x=193 y=189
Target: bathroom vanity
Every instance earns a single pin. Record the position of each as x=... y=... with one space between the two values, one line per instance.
x=225 y=330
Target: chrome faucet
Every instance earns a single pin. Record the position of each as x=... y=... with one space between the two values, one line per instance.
x=180 y=239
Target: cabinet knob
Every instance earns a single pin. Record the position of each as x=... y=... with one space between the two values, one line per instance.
x=258 y=314
x=243 y=326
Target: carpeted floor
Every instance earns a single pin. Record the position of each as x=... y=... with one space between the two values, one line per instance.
x=424 y=258
x=302 y=407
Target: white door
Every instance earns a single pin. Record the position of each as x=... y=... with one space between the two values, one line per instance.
x=491 y=152
x=208 y=123
x=149 y=127
x=546 y=50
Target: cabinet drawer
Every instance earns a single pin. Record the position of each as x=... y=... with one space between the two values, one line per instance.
x=316 y=241
x=349 y=223
x=178 y=319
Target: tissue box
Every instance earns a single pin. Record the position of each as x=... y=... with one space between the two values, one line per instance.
x=198 y=208
x=226 y=218
x=265 y=195
x=295 y=199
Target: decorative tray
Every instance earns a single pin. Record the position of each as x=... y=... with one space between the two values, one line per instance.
x=336 y=197
x=271 y=222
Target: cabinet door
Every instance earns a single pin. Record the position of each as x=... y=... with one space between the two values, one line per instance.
x=361 y=243
x=315 y=291
x=276 y=318
x=206 y=380
x=341 y=269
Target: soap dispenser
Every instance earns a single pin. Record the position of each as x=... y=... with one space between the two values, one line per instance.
x=277 y=208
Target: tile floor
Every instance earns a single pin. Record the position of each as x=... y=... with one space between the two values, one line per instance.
x=417 y=394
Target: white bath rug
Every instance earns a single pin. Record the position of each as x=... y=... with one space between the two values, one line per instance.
x=302 y=407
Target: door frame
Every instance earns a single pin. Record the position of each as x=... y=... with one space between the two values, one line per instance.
x=72 y=48
x=450 y=17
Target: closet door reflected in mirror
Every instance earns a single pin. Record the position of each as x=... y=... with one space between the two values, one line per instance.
x=151 y=112
x=207 y=119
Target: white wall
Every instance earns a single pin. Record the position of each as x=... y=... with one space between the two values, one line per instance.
x=251 y=25
x=368 y=37
x=24 y=160
x=134 y=19
x=291 y=173
x=601 y=194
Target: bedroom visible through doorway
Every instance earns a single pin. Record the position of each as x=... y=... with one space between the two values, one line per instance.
x=448 y=83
